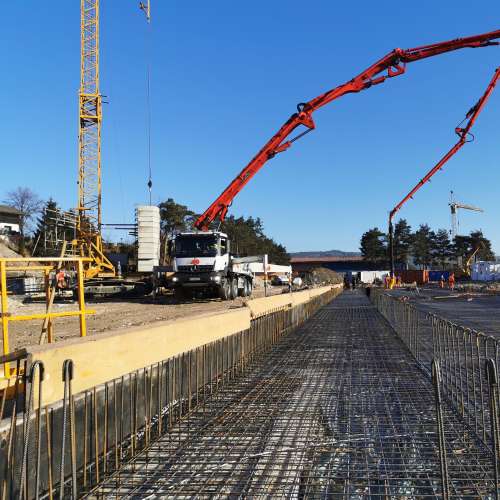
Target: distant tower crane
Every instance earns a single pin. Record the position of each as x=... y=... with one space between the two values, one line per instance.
x=454 y=206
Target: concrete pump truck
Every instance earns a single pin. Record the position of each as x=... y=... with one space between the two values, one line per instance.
x=202 y=260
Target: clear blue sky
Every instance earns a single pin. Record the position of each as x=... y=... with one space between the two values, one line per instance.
x=225 y=76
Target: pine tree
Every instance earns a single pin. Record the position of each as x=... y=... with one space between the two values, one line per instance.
x=246 y=234
x=373 y=246
x=53 y=227
x=464 y=246
x=422 y=246
x=441 y=248
x=478 y=240
x=402 y=241
x=248 y=238
x=45 y=225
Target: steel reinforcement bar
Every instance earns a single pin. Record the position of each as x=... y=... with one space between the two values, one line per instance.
x=339 y=408
x=65 y=450
x=468 y=361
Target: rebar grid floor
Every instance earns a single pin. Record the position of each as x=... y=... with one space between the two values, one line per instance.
x=336 y=409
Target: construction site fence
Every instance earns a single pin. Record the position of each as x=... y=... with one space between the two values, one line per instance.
x=63 y=450
x=462 y=362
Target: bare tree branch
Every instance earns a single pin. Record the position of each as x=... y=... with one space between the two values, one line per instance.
x=27 y=202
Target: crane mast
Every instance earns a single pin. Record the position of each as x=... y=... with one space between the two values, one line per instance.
x=89 y=238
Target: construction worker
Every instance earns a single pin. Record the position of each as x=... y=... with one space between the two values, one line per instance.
x=347 y=283
x=441 y=282
x=399 y=281
x=60 y=279
x=387 y=280
x=451 y=281
x=392 y=282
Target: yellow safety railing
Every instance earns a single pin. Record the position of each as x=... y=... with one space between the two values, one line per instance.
x=43 y=265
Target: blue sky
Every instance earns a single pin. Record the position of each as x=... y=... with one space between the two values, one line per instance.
x=225 y=76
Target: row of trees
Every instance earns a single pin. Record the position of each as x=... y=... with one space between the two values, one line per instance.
x=425 y=246
x=246 y=234
x=38 y=226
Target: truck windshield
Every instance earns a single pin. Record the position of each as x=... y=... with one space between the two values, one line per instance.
x=196 y=246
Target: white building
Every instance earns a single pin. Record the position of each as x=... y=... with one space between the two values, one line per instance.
x=9 y=220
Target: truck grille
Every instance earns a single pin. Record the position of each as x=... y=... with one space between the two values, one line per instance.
x=193 y=269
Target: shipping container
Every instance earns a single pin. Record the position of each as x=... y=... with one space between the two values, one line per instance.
x=436 y=275
x=419 y=276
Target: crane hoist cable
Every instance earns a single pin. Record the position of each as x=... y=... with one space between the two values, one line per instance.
x=146 y=8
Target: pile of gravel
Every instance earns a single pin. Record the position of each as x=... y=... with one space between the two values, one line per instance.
x=321 y=276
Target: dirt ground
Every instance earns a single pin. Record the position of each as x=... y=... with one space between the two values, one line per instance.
x=111 y=314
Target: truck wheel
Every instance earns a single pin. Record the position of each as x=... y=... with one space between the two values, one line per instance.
x=244 y=290
x=249 y=287
x=179 y=294
x=224 y=290
x=234 y=288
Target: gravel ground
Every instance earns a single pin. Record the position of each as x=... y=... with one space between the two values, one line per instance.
x=111 y=315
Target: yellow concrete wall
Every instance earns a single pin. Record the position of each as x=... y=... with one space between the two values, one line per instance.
x=259 y=307
x=264 y=305
x=105 y=357
x=318 y=291
x=301 y=297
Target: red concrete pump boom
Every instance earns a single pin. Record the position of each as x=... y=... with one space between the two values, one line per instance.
x=394 y=64
x=463 y=134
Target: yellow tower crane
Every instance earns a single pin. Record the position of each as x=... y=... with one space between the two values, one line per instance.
x=89 y=210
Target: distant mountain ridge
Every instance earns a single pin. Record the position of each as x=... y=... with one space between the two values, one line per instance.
x=325 y=253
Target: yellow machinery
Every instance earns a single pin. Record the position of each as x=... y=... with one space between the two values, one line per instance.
x=47 y=266
x=89 y=238
x=89 y=211
x=466 y=269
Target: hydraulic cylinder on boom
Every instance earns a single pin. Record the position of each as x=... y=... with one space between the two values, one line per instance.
x=391 y=65
x=465 y=136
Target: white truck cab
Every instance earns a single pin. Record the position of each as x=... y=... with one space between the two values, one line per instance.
x=203 y=265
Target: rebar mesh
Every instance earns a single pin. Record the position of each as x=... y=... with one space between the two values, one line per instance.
x=68 y=448
x=339 y=408
x=462 y=354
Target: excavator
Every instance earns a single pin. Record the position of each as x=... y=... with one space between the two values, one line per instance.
x=465 y=136
x=218 y=271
